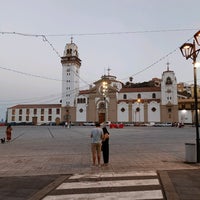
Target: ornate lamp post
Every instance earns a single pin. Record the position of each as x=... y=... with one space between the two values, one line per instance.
x=189 y=50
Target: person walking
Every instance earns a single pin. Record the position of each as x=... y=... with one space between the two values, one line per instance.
x=8 y=133
x=96 y=139
x=105 y=146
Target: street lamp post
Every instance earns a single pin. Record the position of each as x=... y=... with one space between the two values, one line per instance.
x=189 y=50
x=139 y=100
x=105 y=91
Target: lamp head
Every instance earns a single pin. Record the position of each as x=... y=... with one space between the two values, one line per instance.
x=197 y=37
x=187 y=50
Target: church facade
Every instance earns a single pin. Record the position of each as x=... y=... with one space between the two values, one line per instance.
x=111 y=100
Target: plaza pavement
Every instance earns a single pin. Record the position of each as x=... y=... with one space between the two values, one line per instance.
x=39 y=159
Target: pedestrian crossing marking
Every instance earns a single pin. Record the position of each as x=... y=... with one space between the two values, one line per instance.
x=123 y=183
x=135 y=195
x=111 y=174
x=108 y=186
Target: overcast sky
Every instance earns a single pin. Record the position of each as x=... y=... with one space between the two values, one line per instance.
x=132 y=38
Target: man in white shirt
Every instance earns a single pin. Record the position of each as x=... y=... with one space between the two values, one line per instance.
x=96 y=139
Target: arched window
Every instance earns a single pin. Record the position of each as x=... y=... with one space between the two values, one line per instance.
x=139 y=96
x=153 y=96
x=169 y=110
x=168 y=81
x=125 y=96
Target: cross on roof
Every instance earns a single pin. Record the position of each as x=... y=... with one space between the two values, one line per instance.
x=108 y=70
x=168 y=66
x=71 y=39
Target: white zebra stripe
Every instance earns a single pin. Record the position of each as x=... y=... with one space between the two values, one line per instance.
x=135 y=195
x=135 y=173
x=97 y=184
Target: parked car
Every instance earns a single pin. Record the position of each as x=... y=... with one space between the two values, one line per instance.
x=167 y=124
x=150 y=124
x=2 y=124
x=106 y=123
x=116 y=125
x=88 y=124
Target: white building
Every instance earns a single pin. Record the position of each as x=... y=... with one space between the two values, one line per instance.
x=34 y=114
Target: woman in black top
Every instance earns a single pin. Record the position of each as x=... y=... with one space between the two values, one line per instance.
x=105 y=146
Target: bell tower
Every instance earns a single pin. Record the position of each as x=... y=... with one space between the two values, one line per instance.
x=169 y=100
x=70 y=74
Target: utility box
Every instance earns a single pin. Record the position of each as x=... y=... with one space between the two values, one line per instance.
x=190 y=153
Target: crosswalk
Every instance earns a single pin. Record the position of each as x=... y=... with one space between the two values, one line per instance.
x=109 y=186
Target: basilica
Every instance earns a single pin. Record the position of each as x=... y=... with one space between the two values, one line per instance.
x=108 y=99
x=111 y=100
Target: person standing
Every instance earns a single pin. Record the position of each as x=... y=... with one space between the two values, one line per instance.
x=96 y=139
x=70 y=123
x=8 y=133
x=105 y=146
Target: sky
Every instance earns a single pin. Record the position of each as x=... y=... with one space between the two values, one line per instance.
x=133 y=38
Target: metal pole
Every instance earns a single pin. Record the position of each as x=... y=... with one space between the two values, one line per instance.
x=139 y=112
x=196 y=105
x=105 y=110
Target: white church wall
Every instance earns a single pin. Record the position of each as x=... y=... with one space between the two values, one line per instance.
x=122 y=112
x=153 y=112
x=144 y=95
x=81 y=112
